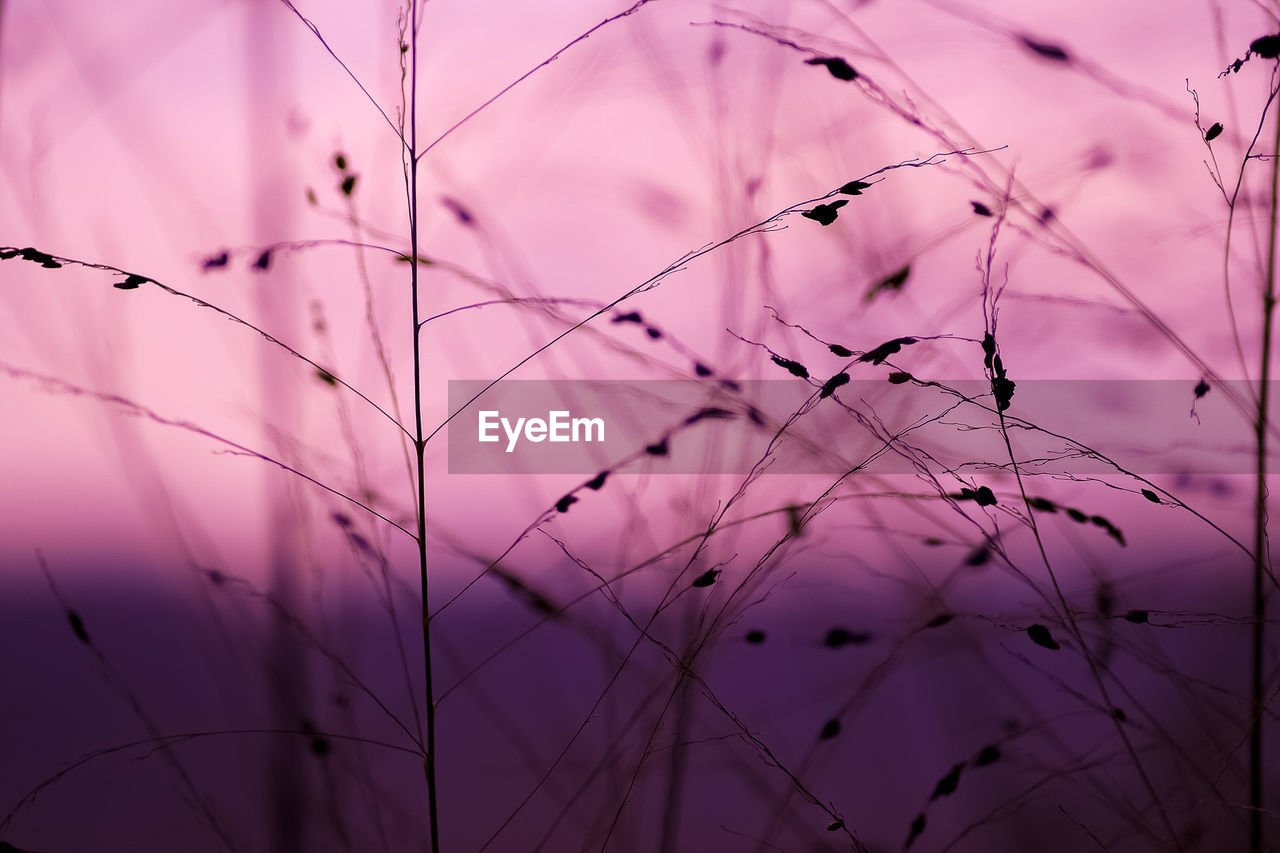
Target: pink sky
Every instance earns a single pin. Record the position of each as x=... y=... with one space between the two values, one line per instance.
x=127 y=141
x=150 y=136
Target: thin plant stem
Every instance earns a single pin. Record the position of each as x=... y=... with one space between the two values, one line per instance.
x=1257 y=841
x=631 y=10
x=1074 y=626
x=429 y=761
x=235 y=318
x=990 y=295
x=316 y=32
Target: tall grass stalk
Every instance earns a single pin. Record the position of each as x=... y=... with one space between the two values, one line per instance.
x=1261 y=541
x=851 y=660
x=431 y=763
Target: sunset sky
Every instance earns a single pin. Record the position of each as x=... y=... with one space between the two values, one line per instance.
x=150 y=447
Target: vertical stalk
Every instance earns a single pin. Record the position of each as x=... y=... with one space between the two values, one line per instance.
x=1260 y=561
x=288 y=785
x=679 y=757
x=429 y=761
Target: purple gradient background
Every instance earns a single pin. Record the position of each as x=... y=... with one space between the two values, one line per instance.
x=149 y=136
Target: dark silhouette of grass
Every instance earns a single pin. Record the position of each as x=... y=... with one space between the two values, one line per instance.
x=1009 y=568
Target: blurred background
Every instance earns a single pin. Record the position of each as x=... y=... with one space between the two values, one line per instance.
x=680 y=659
